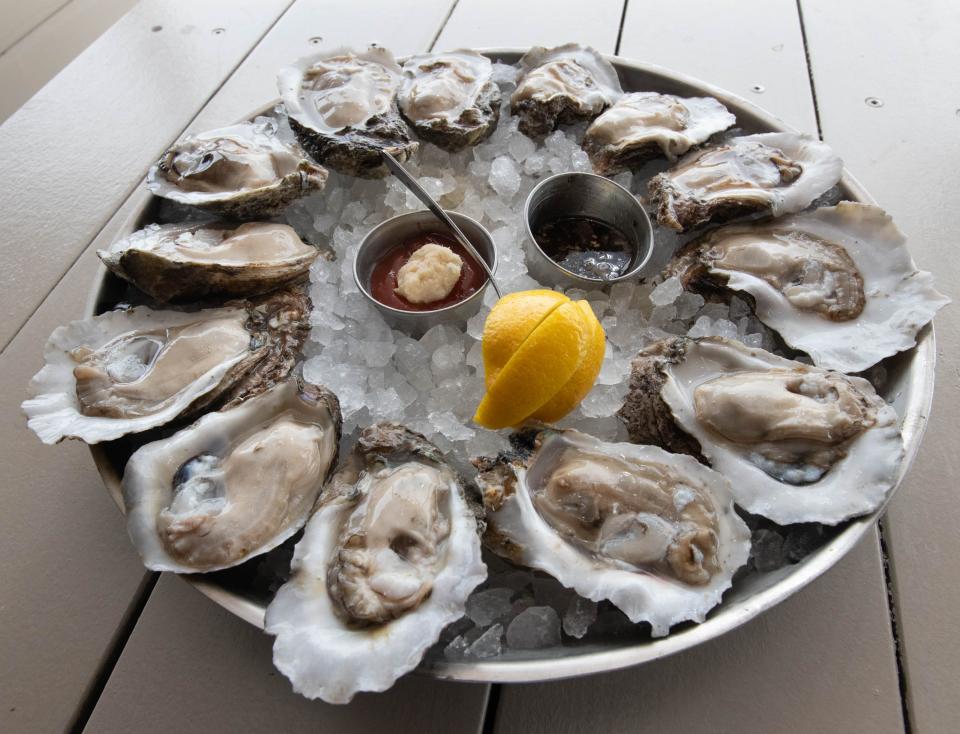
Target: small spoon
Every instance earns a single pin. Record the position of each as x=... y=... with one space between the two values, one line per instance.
x=411 y=183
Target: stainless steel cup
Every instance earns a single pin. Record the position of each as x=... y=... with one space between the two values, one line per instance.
x=586 y=195
x=403 y=227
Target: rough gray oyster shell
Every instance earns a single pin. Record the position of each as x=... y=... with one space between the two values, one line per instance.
x=769 y=173
x=243 y=171
x=450 y=98
x=127 y=371
x=342 y=107
x=561 y=86
x=192 y=261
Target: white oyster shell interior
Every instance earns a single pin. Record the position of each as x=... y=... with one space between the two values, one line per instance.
x=572 y=71
x=817 y=412
x=254 y=244
x=233 y=485
x=742 y=169
x=225 y=163
x=402 y=541
x=675 y=124
x=625 y=563
x=341 y=89
x=442 y=86
x=899 y=299
x=127 y=371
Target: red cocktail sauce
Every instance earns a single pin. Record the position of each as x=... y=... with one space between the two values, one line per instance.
x=383 y=280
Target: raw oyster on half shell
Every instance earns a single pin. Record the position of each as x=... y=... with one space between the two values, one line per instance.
x=343 y=109
x=235 y=484
x=243 y=171
x=561 y=86
x=644 y=125
x=450 y=98
x=127 y=371
x=798 y=443
x=653 y=532
x=191 y=261
x=769 y=173
x=385 y=563
x=836 y=282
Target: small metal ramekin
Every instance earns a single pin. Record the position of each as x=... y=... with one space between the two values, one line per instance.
x=586 y=195
x=401 y=228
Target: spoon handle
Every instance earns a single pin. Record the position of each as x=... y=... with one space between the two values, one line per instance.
x=411 y=183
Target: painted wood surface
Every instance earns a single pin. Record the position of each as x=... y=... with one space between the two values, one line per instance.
x=19 y=18
x=37 y=57
x=890 y=103
x=69 y=572
x=192 y=667
x=73 y=153
x=753 y=48
x=816 y=663
x=503 y=23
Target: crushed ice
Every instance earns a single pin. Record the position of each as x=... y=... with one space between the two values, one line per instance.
x=433 y=384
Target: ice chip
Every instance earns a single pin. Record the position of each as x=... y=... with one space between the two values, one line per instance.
x=534 y=628
x=504 y=176
x=667 y=292
x=578 y=617
x=487 y=606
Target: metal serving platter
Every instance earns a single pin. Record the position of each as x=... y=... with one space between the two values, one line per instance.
x=909 y=387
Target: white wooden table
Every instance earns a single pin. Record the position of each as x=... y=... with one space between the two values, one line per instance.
x=89 y=641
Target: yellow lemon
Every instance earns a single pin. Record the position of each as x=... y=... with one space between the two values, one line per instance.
x=580 y=382
x=512 y=319
x=539 y=367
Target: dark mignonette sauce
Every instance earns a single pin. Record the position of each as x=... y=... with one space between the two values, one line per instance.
x=586 y=247
x=383 y=280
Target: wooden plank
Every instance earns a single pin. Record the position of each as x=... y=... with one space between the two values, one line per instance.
x=780 y=672
x=35 y=59
x=314 y=26
x=69 y=572
x=507 y=23
x=19 y=18
x=192 y=667
x=813 y=664
x=73 y=152
x=738 y=45
x=907 y=153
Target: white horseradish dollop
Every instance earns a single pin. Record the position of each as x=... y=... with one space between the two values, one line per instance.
x=430 y=274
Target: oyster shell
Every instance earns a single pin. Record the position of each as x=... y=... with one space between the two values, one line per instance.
x=450 y=98
x=235 y=484
x=191 y=261
x=798 y=443
x=770 y=173
x=385 y=563
x=243 y=171
x=343 y=110
x=653 y=532
x=644 y=125
x=127 y=371
x=836 y=282
x=561 y=86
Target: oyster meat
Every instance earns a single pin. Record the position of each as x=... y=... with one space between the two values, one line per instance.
x=235 y=484
x=343 y=110
x=191 y=261
x=385 y=563
x=243 y=171
x=561 y=86
x=644 y=125
x=450 y=98
x=127 y=371
x=769 y=173
x=653 y=532
x=798 y=443
x=836 y=282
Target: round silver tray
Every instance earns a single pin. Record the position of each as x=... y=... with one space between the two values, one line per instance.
x=909 y=387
